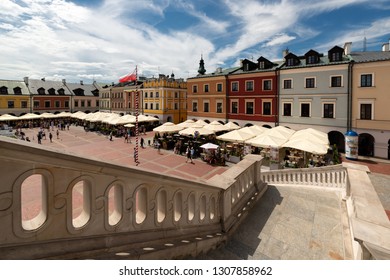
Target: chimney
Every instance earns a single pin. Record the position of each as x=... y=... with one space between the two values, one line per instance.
x=386 y=47
x=63 y=81
x=285 y=52
x=26 y=80
x=81 y=83
x=347 y=48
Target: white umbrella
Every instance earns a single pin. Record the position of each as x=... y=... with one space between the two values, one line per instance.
x=307 y=145
x=195 y=130
x=126 y=119
x=231 y=126
x=129 y=125
x=254 y=129
x=48 y=115
x=29 y=116
x=312 y=134
x=186 y=123
x=79 y=115
x=201 y=122
x=278 y=132
x=235 y=136
x=168 y=127
x=7 y=117
x=209 y=146
x=266 y=141
x=64 y=114
x=215 y=126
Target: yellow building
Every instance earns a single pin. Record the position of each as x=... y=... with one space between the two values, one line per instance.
x=371 y=102
x=165 y=98
x=15 y=98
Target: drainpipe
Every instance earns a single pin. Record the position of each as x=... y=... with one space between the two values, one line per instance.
x=277 y=73
x=349 y=108
x=227 y=98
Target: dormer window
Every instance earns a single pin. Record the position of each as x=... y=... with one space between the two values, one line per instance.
x=52 y=91
x=17 y=91
x=312 y=57
x=262 y=65
x=3 y=90
x=335 y=54
x=292 y=60
x=61 y=91
x=41 y=91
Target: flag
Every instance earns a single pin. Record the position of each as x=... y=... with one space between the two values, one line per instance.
x=128 y=77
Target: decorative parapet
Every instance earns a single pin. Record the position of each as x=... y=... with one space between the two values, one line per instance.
x=86 y=205
x=329 y=177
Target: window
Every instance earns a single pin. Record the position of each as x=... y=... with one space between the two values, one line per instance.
x=194 y=106
x=157 y=106
x=51 y=91
x=290 y=61
x=365 y=111
x=82 y=103
x=249 y=107
x=234 y=108
x=176 y=94
x=17 y=91
x=176 y=106
x=151 y=106
x=194 y=88
x=47 y=104
x=328 y=110
x=146 y=95
x=310 y=82
x=305 y=109
x=267 y=85
x=157 y=95
x=234 y=86
x=151 y=95
x=146 y=106
x=89 y=103
x=262 y=65
x=23 y=104
x=41 y=91
x=37 y=104
x=76 y=103
x=249 y=85
x=366 y=80
x=336 y=56
x=3 y=90
x=219 y=107
x=267 y=108
x=206 y=88
x=206 y=106
x=287 y=84
x=287 y=109
x=311 y=59
x=67 y=104
x=336 y=81
x=11 y=104
x=57 y=104
x=219 y=87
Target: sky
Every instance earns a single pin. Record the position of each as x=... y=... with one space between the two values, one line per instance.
x=102 y=40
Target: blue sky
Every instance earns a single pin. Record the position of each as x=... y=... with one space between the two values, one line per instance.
x=105 y=39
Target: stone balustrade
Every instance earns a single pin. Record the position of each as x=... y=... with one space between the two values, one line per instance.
x=85 y=205
x=329 y=176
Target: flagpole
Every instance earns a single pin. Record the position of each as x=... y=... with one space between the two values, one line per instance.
x=136 y=115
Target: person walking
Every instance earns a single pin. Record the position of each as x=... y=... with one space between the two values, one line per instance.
x=142 y=142
x=188 y=153
x=51 y=137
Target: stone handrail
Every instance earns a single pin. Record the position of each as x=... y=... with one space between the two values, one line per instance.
x=121 y=207
x=329 y=176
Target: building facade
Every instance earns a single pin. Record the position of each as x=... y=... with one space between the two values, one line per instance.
x=15 y=98
x=371 y=102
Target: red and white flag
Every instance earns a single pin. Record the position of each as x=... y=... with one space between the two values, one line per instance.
x=129 y=77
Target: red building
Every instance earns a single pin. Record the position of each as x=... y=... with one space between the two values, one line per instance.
x=252 y=93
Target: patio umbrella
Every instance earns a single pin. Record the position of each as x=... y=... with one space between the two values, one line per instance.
x=215 y=126
x=168 y=127
x=186 y=123
x=307 y=145
x=254 y=129
x=201 y=122
x=279 y=132
x=126 y=119
x=235 y=136
x=209 y=146
x=231 y=126
x=79 y=115
x=64 y=114
x=29 y=116
x=129 y=125
x=313 y=134
x=48 y=115
x=8 y=117
x=191 y=131
x=266 y=141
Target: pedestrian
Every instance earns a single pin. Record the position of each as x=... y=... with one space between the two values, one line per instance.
x=51 y=137
x=188 y=153
x=126 y=138
x=111 y=136
x=142 y=142
x=39 y=137
x=158 y=147
x=58 y=133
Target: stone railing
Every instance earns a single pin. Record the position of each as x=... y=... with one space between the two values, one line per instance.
x=329 y=177
x=369 y=224
x=85 y=208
